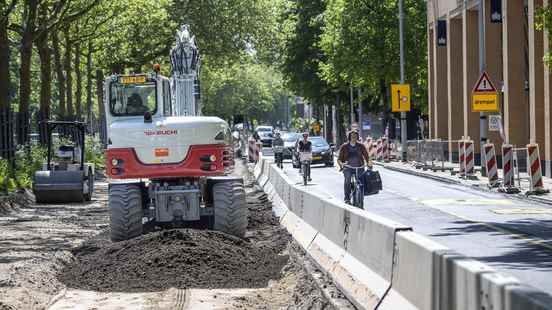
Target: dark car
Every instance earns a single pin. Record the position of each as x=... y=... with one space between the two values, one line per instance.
x=322 y=153
x=265 y=134
x=290 y=138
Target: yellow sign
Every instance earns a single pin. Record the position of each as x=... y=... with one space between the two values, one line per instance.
x=400 y=97
x=133 y=79
x=484 y=102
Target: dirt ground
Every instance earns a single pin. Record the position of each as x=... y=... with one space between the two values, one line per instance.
x=59 y=256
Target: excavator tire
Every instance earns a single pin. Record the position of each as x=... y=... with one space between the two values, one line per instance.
x=230 y=208
x=125 y=205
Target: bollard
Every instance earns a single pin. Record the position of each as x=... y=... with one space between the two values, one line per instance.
x=534 y=169
x=490 y=164
x=462 y=157
x=469 y=159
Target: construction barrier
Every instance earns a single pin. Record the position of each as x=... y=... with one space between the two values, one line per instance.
x=469 y=158
x=385 y=146
x=373 y=149
x=462 y=157
x=508 y=165
x=252 y=150
x=534 y=168
x=382 y=264
x=491 y=164
x=379 y=149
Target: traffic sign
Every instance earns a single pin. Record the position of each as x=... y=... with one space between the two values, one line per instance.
x=484 y=95
x=484 y=84
x=400 y=97
x=494 y=122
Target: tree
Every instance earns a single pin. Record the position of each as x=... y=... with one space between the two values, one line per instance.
x=303 y=56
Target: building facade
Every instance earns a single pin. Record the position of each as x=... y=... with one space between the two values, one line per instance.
x=512 y=55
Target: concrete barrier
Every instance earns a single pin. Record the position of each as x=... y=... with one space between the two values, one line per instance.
x=382 y=264
x=518 y=297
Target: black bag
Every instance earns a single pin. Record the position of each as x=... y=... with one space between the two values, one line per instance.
x=372 y=182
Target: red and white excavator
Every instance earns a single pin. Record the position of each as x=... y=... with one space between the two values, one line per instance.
x=168 y=165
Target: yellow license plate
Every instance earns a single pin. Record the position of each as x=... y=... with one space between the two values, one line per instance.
x=317 y=157
x=136 y=79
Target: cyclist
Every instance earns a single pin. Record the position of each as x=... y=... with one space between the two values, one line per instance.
x=353 y=154
x=278 y=147
x=304 y=146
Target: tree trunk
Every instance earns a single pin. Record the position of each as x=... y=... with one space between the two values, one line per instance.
x=45 y=84
x=68 y=76
x=25 y=71
x=4 y=63
x=89 y=77
x=60 y=76
x=78 y=74
x=6 y=136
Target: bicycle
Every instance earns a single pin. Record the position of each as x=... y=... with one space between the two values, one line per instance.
x=305 y=158
x=357 y=188
x=279 y=156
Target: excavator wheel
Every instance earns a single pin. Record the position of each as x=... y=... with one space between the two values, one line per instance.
x=230 y=208
x=125 y=205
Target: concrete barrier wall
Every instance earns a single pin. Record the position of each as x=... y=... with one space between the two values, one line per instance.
x=382 y=264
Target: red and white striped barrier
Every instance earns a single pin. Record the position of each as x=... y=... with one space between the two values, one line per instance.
x=258 y=150
x=462 y=157
x=534 y=168
x=379 y=149
x=385 y=142
x=469 y=158
x=368 y=146
x=490 y=164
x=254 y=148
x=508 y=165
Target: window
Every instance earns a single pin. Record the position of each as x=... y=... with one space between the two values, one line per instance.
x=167 y=102
x=133 y=99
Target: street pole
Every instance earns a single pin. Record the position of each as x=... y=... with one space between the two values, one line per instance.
x=483 y=126
x=360 y=129
x=352 y=109
x=403 y=114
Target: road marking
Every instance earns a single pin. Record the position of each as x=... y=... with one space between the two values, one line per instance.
x=523 y=211
x=465 y=202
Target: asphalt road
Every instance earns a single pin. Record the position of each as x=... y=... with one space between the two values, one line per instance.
x=512 y=235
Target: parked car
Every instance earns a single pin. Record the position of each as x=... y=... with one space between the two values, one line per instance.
x=290 y=140
x=322 y=153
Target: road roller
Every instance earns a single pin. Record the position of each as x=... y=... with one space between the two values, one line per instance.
x=65 y=177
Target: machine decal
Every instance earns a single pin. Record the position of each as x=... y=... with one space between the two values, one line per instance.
x=170 y=132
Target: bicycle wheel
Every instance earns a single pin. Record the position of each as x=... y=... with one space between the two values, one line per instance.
x=353 y=192
x=305 y=174
x=360 y=196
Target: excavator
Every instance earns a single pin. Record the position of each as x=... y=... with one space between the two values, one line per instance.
x=168 y=165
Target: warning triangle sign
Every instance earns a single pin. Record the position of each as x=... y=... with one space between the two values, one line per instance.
x=484 y=84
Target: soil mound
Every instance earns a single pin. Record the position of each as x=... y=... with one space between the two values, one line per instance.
x=181 y=258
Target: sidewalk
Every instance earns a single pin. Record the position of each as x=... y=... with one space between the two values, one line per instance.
x=481 y=183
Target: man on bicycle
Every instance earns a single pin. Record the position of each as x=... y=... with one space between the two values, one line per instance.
x=353 y=154
x=304 y=146
x=278 y=147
